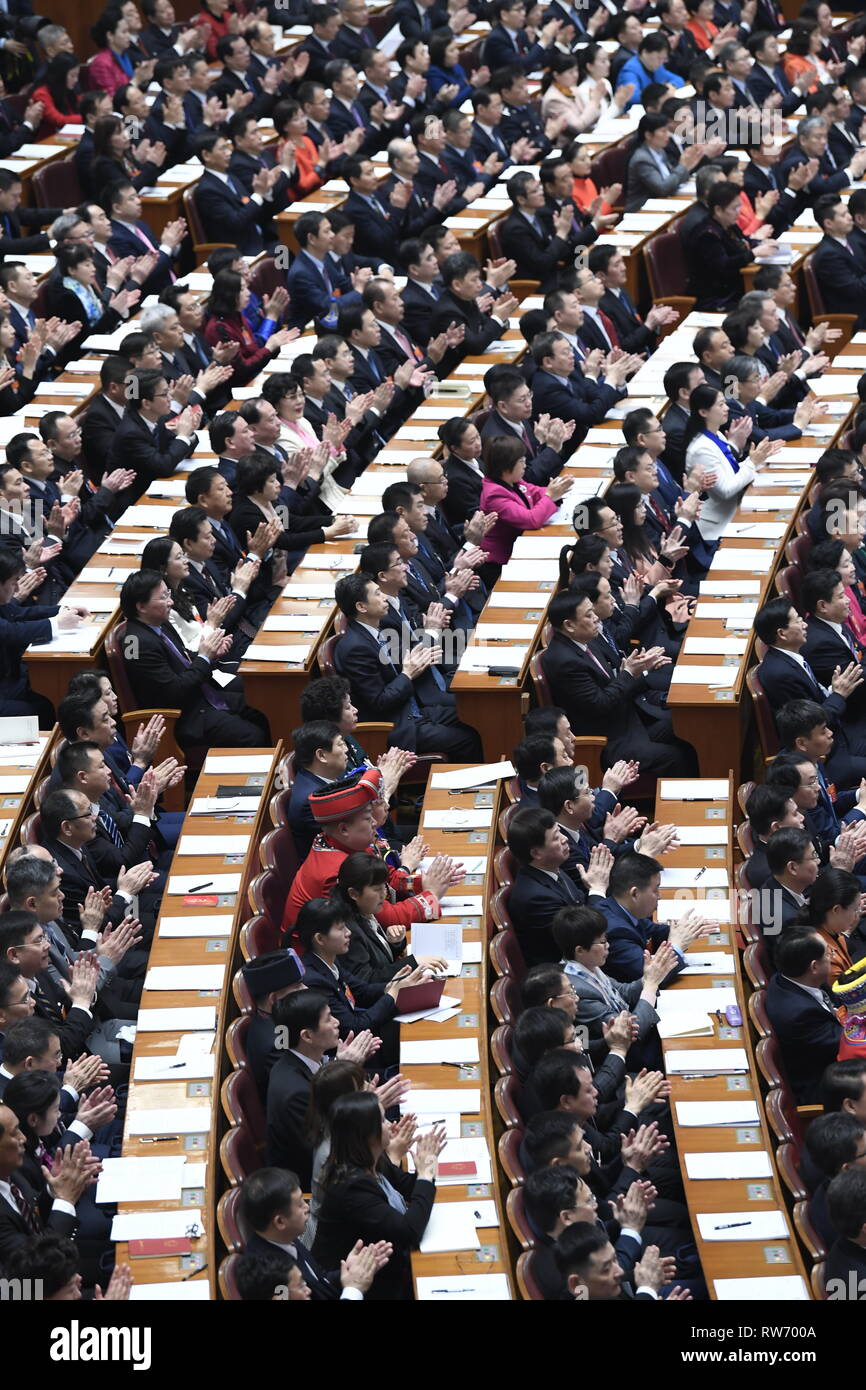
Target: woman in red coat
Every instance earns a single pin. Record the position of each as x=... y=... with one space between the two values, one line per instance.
x=58 y=95
x=219 y=17
x=225 y=323
x=519 y=506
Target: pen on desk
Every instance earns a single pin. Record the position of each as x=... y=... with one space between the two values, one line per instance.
x=161 y=1139
x=199 y=886
x=699 y=872
x=729 y=1226
x=173 y=1066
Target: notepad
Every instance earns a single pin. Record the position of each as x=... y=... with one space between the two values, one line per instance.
x=458 y=1100
x=184 y=1290
x=9 y=785
x=713 y=999
x=294 y=655
x=440 y=1051
x=773 y=502
x=742 y=1225
x=729 y=588
x=141 y=1179
x=445 y=1288
x=741 y=612
x=200 y=1017
x=163 y=977
x=694 y=789
x=447 y=1008
x=195 y=1067
x=482 y=658
x=781 y=479
x=470 y=906
x=715 y=646
x=443 y=939
x=711 y=1113
x=308 y=588
x=233 y=762
x=213 y=844
x=688 y=878
x=456 y=819
x=765 y=1288
x=685 y=1024
x=537 y=548
x=219 y=805
x=185 y=1119
x=180 y=884
x=292 y=622
x=712 y=676
x=711 y=1059
x=504 y=632
x=712 y=963
x=756 y=530
x=451 y=1227
x=505 y=598
x=736 y=559
x=155 y=1225
x=703 y=834
x=468 y=777
x=714 y=1166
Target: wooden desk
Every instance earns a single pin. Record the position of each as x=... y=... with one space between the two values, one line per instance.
x=471 y=989
x=728 y=1258
x=198 y=950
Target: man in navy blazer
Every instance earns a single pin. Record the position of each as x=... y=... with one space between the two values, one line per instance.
x=379 y=222
x=541 y=887
x=767 y=83
x=424 y=715
x=830 y=642
x=320 y=756
x=802 y=1011
x=632 y=898
x=564 y=393
x=227 y=211
x=274 y=1210
x=315 y=285
x=838 y=262
x=508 y=44
x=131 y=236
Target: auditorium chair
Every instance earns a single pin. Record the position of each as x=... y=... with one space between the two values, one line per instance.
x=500 y=1049
x=817 y=1281
x=200 y=246
x=526 y=1285
x=259 y=935
x=846 y=323
x=808 y=1236
x=505 y=869
x=508 y=1149
x=56 y=185
x=505 y=1093
x=241 y=1104
x=764 y=721
x=278 y=855
x=506 y=956
x=789 y=583
x=798 y=550
x=227 y=1220
x=236 y=1035
x=239 y=1154
x=757 y=966
x=504 y=996
x=268 y=897
x=242 y=996
x=228 y=1286
x=786 y=1166
x=515 y=1210
x=666 y=271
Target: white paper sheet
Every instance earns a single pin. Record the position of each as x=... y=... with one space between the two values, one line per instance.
x=222 y=805
x=712 y=999
x=709 y=963
x=756 y=530
x=468 y=777
x=764 y=502
x=765 y=1288
x=169 y=977
x=713 y=1166
x=233 y=762
x=451 y=1227
x=472 y=864
x=715 y=646
x=196 y=1067
x=711 y=909
x=451 y=1288
x=468 y=906
x=177 y=1020
x=688 y=878
x=292 y=622
x=521 y=599
x=140 y=1179
x=482 y=658
x=181 y=884
x=459 y=1100
x=186 y=1119
x=437 y=1052
x=695 y=789
x=213 y=844
x=742 y=1225
x=220 y=924
x=498 y=632
x=711 y=1059
x=720 y=677
x=458 y=818
x=703 y=834
x=683 y=1024
x=694 y=1113
x=155 y=1225
x=178 y=1291
x=290 y=655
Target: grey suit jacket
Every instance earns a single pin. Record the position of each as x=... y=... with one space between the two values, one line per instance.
x=594 y=1008
x=645 y=179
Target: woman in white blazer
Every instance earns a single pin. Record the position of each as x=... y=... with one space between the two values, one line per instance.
x=716 y=452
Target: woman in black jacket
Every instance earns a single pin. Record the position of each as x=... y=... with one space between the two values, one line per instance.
x=717 y=252
x=115 y=162
x=367 y=1197
x=375 y=952
x=75 y=296
x=257 y=492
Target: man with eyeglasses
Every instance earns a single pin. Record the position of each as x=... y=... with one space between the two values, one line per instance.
x=143 y=443
x=511 y=398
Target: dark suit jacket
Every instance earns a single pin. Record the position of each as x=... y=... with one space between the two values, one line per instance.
x=99 y=426
x=807 y=1034
x=761 y=86
x=356 y=1003
x=542 y=463
x=715 y=257
x=584 y=401
x=151 y=453
x=227 y=217
x=757 y=181
x=538 y=254
x=419 y=308
x=594 y=706
x=358 y=1209
x=14 y=1232
x=371 y=958
x=464 y=491
x=846 y=1268
x=533 y=901
x=303 y=825
x=841 y=277
x=628 y=941
x=379 y=690
x=78 y=876
x=309 y=297
x=481 y=330
x=634 y=336
x=160 y=680
x=376 y=232
x=123 y=243
x=824 y=651
x=287 y=1145
x=324 y=1285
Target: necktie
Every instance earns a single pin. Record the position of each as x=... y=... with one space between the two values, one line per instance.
x=7 y=225
x=794 y=330
x=213 y=698
x=110 y=825
x=849 y=640
x=329 y=286
x=374 y=369
x=659 y=515
x=405 y=344
x=525 y=436
x=385 y=658
x=358 y=115
x=609 y=329
x=566 y=884
x=144 y=238
x=26 y=1210
x=597 y=664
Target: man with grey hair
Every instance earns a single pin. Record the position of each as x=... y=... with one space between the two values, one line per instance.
x=421 y=212
x=812 y=143
x=429 y=474
x=395 y=345
x=797 y=366
x=161 y=323
x=53 y=39
x=70 y=230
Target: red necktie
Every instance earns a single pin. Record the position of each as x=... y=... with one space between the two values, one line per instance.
x=659 y=515
x=595 y=661
x=609 y=329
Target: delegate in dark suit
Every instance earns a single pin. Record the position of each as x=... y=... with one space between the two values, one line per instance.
x=124 y=242
x=287 y=1144
x=533 y=901
x=841 y=276
x=807 y=1033
x=324 y=1286
x=164 y=677
x=231 y=216
x=16 y=1230
x=150 y=453
x=358 y=1209
x=420 y=304
x=824 y=651
x=629 y=938
x=538 y=253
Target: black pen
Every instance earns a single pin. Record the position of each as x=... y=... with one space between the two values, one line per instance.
x=161 y=1139
x=731 y=1224
x=200 y=886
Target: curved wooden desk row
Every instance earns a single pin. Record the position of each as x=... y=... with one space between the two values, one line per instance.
x=209 y=953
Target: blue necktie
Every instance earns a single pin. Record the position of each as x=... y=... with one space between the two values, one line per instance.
x=385 y=658
x=374 y=368
x=108 y=823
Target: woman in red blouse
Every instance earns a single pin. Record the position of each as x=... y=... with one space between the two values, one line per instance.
x=219 y=17
x=58 y=95
x=296 y=153
x=225 y=323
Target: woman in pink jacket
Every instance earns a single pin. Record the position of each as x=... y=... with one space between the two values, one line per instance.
x=112 y=67
x=519 y=506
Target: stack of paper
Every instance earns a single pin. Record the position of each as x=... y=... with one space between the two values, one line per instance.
x=186 y=1119
x=155 y=1225
x=234 y=762
x=463 y=1051
x=458 y=818
x=182 y=977
x=468 y=777
x=451 y=1227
